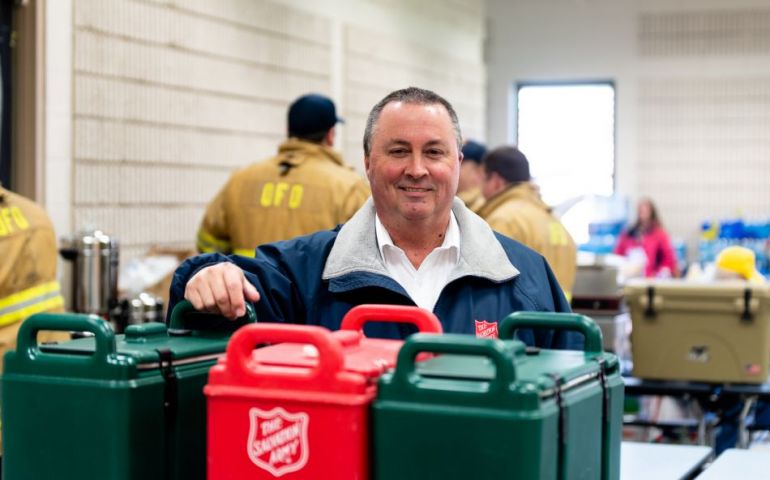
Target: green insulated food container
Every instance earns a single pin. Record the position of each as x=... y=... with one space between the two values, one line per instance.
x=110 y=407
x=493 y=409
x=609 y=376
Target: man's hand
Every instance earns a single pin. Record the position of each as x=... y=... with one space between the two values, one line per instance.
x=221 y=289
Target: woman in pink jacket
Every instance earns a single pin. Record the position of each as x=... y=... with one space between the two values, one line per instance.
x=648 y=235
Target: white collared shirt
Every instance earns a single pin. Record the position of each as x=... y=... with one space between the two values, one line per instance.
x=424 y=285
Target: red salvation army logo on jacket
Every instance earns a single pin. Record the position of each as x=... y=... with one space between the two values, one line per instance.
x=278 y=440
x=486 y=329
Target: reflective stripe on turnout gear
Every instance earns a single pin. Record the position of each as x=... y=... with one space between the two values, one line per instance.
x=39 y=298
x=207 y=243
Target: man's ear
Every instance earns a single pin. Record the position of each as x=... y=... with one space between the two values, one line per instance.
x=329 y=137
x=496 y=181
x=366 y=164
x=500 y=181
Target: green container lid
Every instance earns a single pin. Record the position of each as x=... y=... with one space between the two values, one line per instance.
x=190 y=337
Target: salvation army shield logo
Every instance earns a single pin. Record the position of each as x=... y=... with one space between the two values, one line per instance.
x=278 y=440
x=486 y=329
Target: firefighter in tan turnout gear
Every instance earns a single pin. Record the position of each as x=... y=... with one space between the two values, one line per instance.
x=514 y=208
x=305 y=188
x=28 y=282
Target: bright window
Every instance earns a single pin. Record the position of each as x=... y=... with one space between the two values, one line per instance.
x=567 y=131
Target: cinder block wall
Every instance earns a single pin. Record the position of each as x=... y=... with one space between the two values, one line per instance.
x=169 y=96
x=378 y=63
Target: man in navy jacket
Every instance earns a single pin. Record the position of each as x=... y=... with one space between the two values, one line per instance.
x=412 y=243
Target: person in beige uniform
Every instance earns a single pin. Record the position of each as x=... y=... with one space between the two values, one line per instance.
x=28 y=282
x=514 y=208
x=305 y=188
x=472 y=175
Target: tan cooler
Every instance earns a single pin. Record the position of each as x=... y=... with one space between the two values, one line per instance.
x=712 y=332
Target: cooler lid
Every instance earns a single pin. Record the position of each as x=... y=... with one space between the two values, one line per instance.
x=707 y=290
x=142 y=343
x=288 y=367
x=537 y=370
x=106 y=356
x=486 y=373
x=366 y=356
x=370 y=357
x=741 y=298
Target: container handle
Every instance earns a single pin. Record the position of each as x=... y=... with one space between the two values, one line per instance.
x=557 y=321
x=243 y=369
x=425 y=321
x=104 y=337
x=406 y=376
x=183 y=308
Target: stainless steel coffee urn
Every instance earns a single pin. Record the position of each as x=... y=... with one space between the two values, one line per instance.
x=141 y=308
x=94 y=255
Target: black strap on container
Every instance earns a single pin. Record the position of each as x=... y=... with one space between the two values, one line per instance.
x=649 y=312
x=170 y=399
x=605 y=389
x=562 y=432
x=746 y=316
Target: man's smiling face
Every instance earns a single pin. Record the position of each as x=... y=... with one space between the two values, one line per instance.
x=414 y=164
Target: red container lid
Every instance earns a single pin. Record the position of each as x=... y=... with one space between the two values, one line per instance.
x=370 y=357
x=240 y=371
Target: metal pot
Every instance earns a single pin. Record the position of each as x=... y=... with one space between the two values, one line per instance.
x=95 y=271
x=142 y=308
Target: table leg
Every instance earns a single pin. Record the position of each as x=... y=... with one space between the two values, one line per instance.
x=743 y=433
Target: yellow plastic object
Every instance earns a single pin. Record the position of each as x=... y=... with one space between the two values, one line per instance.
x=740 y=260
x=711 y=233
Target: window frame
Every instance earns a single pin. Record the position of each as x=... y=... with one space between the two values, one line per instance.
x=516 y=113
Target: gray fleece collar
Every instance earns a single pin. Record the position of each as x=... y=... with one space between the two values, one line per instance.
x=481 y=255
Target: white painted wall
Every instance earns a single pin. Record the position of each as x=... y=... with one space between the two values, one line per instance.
x=692 y=80
x=57 y=176
x=560 y=40
x=152 y=103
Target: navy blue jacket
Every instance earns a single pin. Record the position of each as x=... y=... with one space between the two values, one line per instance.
x=316 y=279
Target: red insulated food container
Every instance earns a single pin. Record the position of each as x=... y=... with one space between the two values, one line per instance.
x=300 y=409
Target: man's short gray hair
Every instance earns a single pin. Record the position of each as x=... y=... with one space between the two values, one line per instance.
x=412 y=95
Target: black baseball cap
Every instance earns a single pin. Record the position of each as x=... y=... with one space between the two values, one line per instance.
x=474 y=151
x=312 y=113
